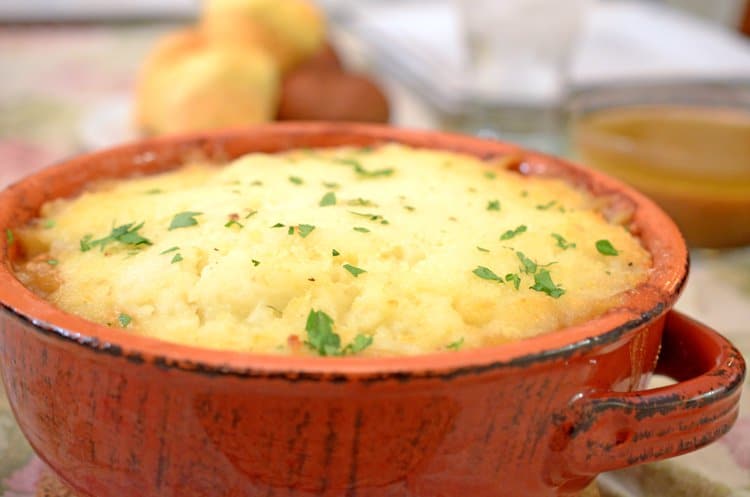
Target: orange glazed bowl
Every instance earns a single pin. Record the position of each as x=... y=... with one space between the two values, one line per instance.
x=128 y=416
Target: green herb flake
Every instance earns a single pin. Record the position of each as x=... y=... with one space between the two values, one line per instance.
x=328 y=199
x=52 y=262
x=124 y=320
x=10 y=237
x=233 y=222
x=493 y=205
x=251 y=214
x=256 y=263
x=482 y=249
x=331 y=185
x=354 y=270
x=361 y=229
x=548 y=205
x=290 y=231
x=490 y=174
x=296 y=180
x=335 y=253
x=524 y=193
x=361 y=202
x=364 y=173
x=154 y=191
x=305 y=229
x=169 y=250
x=562 y=242
x=126 y=234
x=605 y=247
x=409 y=208
x=514 y=278
x=278 y=225
x=371 y=217
x=256 y=183
x=49 y=224
x=543 y=283
x=85 y=243
x=320 y=335
x=360 y=343
x=176 y=258
x=487 y=274
x=455 y=345
x=513 y=233
x=322 y=339
x=529 y=266
x=184 y=220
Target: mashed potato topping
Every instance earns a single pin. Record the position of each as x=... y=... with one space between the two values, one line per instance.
x=376 y=251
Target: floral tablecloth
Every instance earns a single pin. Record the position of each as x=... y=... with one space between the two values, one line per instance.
x=59 y=83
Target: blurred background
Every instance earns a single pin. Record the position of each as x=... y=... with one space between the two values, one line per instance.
x=656 y=92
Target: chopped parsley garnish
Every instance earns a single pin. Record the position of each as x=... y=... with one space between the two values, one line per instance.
x=328 y=199
x=296 y=180
x=9 y=236
x=290 y=231
x=257 y=182
x=513 y=233
x=233 y=222
x=562 y=242
x=305 y=229
x=354 y=270
x=127 y=234
x=332 y=186
x=154 y=191
x=524 y=193
x=184 y=220
x=487 y=274
x=482 y=249
x=176 y=258
x=256 y=263
x=529 y=266
x=362 y=202
x=605 y=247
x=544 y=207
x=251 y=214
x=493 y=205
x=49 y=224
x=322 y=339
x=124 y=320
x=335 y=253
x=514 y=278
x=490 y=174
x=361 y=229
x=543 y=283
x=371 y=217
x=360 y=343
x=455 y=345
x=169 y=250
x=361 y=171
x=52 y=262
x=409 y=208
x=84 y=243
x=278 y=225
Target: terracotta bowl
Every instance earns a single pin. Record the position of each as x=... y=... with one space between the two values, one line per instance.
x=119 y=415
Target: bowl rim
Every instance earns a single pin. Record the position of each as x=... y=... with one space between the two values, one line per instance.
x=645 y=304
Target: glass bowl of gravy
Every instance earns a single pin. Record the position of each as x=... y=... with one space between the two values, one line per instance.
x=686 y=145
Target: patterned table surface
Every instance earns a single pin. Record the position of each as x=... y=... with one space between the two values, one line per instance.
x=54 y=78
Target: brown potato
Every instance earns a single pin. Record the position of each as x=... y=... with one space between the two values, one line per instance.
x=315 y=95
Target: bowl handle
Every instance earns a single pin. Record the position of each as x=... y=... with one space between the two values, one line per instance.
x=613 y=430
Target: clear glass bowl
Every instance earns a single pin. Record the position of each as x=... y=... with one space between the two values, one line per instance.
x=686 y=145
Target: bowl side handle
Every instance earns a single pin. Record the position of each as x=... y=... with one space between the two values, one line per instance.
x=607 y=430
